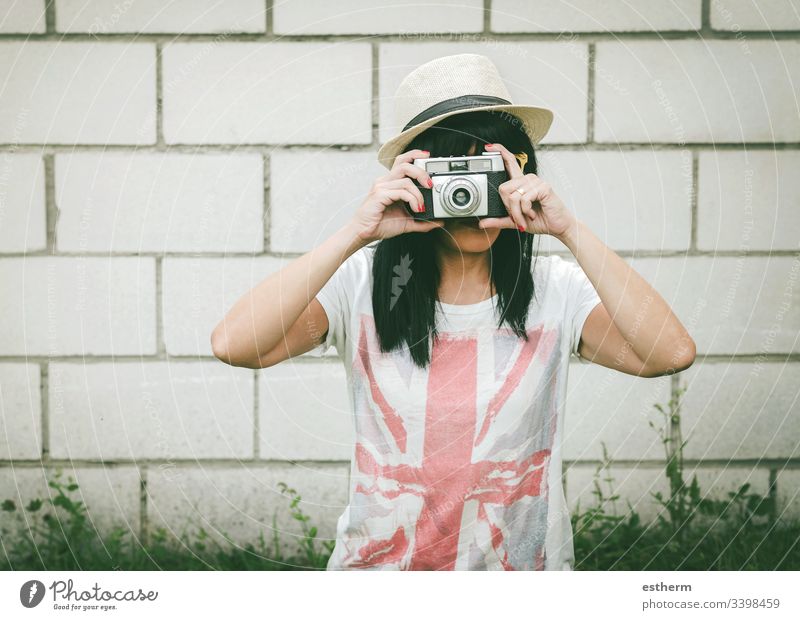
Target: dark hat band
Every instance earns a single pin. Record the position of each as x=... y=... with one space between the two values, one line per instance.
x=456 y=103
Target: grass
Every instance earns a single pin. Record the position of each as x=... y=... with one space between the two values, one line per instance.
x=740 y=531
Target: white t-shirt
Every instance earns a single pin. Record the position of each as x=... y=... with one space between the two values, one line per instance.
x=458 y=466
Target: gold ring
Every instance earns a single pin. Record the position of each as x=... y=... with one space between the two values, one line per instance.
x=521 y=191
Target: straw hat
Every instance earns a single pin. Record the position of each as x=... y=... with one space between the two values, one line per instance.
x=453 y=85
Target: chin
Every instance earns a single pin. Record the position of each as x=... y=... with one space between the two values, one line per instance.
x=464 y=235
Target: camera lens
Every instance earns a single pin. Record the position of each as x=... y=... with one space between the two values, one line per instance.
x=461 y=197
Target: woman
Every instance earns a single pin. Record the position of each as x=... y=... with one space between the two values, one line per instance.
x=457 y=343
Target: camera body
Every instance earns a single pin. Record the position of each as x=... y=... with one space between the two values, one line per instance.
x=463 y=186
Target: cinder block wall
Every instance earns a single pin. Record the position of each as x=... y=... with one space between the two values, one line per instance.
x=159 y=158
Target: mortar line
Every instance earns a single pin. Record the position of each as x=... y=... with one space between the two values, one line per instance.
x=590 y=94
x=375 y=90
x=487 y=16
x=144 y=532
x=773 y=491
x=256 y=418
x=268 y=17
x=159 y=310
x=448 y=37
x=639 y=253
x=51 y=210
x=160 y=144
x=44 y=399
x=266 y=205
x=694 y=200
x=50 y=16
x=259 y=147
x=705 y=18
x=792 y=464
x=711 y=358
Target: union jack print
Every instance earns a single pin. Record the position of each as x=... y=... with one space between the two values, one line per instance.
x=451 y=461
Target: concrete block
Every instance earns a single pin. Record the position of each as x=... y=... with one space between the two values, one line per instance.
x=160 y=202
x=20 y=412
x=78 y=93
x=55 y=305
x=588 y=16
x=731 y=305
x=306 y=209
x=305 y=412
x=696 y=91
x=23 y=226
x=238 y=504
x=22 y=17
x=164 y=411
x=295 y=17
x=632 y=200
x=278 y=93
x=741 y=411
x=178 y=16
x=748 y=200
x=738 y=15
x=607 y=406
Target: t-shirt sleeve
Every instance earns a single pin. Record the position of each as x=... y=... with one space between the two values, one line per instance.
x=334 y=297
x=581 y=300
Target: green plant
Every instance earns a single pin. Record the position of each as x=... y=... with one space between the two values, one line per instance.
x=58 y=534
x=736 y=532
x=308 y=543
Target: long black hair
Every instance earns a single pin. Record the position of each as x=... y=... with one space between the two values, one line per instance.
x=404 y=269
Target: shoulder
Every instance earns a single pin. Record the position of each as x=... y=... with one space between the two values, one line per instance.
x=359 y=259
x=552 y=277
x=550 y=269
x=357 y=268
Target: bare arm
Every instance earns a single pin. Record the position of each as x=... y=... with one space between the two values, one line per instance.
x=257 y=323
x=634 y=330
x=281 y=317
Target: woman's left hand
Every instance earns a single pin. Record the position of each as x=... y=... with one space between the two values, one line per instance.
x=536 y=209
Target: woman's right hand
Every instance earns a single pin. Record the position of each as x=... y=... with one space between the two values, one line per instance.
x=383 y=215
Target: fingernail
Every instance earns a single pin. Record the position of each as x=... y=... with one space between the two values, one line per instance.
x=489 y=145
x=521 y=229
x=428 y=152
x=430 y=182
x=421 y=208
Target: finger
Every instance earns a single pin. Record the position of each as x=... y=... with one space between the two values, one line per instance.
x=402 y=195
x=511 y=163
x=408 y=157
x=526 y=202
x=497 y=222
x=403 y=165
x=407 y=170
x=511 y=198
x=408 y=184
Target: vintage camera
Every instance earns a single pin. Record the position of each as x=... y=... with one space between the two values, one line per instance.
x=464 y=186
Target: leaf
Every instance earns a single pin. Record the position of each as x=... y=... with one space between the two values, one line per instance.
x=8 y=506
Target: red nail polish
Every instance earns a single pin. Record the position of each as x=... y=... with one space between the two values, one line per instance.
x=430 y=182
x=489 y=145
x=521 y=229
x=421 y=208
